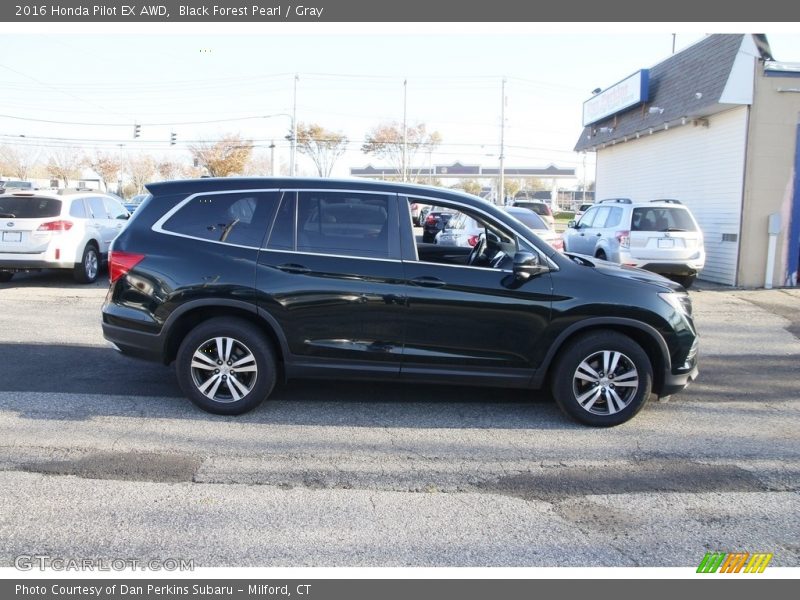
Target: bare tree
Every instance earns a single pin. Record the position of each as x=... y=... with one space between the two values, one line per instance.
x=64 y=164
x=141 y=169
x=386 y=141
x=471 y=186
x=107 y=166
x=168 y=169
x=18 y=161
x=225 y=157
x=322 y=146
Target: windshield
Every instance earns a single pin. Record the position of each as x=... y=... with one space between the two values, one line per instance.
x=29 y=207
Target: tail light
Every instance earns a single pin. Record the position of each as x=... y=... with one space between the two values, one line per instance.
x=430 y=220
x=624 y=238
x=55 y=226
x=558 y=244
x=473 y=240
x=119 y=263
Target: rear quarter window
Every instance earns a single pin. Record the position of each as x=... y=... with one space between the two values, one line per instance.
x=240 y=218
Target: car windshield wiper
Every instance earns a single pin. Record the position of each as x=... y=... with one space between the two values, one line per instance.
x=8 y=216
x=673 y=229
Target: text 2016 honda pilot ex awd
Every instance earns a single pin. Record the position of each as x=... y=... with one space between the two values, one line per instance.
x=243 y=281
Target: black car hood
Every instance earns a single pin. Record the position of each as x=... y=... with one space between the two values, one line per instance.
x=610 y=269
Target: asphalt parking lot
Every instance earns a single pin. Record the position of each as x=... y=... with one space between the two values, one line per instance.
x=100 y=456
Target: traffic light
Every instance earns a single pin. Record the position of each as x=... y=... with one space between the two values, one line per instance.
x=173 y=138
x=137 y=130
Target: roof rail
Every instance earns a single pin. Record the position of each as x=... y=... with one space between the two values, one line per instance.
x=667 y=200
x=617 y=200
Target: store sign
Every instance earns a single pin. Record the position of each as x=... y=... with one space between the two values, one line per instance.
x=628 y=92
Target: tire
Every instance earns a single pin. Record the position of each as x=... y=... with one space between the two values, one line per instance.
x=685 y=280
x=87 y=270
x=5 y=276
x=579 y=372
x=206 y=382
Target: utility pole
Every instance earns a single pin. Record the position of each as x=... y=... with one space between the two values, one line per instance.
x=292 y=165
x=405 y=128
x=584 y=178
x=272 y=158
x=501 y=185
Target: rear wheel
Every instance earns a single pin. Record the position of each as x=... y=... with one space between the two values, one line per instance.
x=600 y=254
x=226 y=366
x=602 y=379
x=86 y=271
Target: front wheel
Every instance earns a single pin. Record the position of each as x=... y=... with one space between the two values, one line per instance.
x=226 y=366
x=602 y=379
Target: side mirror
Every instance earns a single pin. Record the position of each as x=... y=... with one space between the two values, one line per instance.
x=527 y=265
x=572 y=224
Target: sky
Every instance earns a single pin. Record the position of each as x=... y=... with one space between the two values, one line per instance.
x=200 y=82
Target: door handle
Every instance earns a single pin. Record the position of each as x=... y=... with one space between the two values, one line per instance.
x=293 y=268
x=599 y=235
x=431 y=282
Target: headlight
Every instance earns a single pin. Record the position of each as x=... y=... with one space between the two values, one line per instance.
x=680 y=302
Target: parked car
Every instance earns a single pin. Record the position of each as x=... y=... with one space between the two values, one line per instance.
x=242 y=281
x=57 y=230
x=540 y=208
x=415 y=211
x=436 y=219
x=13 y=186
x=534 y=222
x=660 y=236
x=582 y=209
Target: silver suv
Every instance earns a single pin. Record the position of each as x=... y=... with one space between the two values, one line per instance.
x=64 y=229
x=661 y=236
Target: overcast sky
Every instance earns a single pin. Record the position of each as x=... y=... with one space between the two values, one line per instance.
x=97 y=82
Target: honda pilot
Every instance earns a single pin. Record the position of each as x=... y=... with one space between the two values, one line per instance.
x=244 y=282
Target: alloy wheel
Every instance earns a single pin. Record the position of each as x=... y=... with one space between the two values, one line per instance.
x=605 y=382
x=224 y=369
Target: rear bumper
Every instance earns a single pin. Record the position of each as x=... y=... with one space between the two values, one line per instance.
x=140 y=344
x=25 y=262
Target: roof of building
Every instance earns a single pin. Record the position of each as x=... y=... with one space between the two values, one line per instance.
x=689 y=84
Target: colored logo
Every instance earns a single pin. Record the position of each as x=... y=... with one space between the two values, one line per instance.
x=734 y=562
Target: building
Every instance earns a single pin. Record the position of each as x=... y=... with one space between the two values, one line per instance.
x=717 y=127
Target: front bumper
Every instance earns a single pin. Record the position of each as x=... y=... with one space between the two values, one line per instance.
x=675 y=383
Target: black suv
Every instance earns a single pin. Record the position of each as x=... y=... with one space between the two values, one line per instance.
x=243 y=281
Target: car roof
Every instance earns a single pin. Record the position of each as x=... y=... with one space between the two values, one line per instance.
x=56 y=194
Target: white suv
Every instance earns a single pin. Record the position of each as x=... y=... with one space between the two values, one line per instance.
x=64 y=229
x=661 y=236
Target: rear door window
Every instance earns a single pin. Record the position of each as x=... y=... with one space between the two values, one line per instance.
x=29 y=207
x=239 y=218
x=97 y=208
x=343 y=223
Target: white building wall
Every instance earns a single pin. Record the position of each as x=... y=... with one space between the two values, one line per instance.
x=703 y=167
